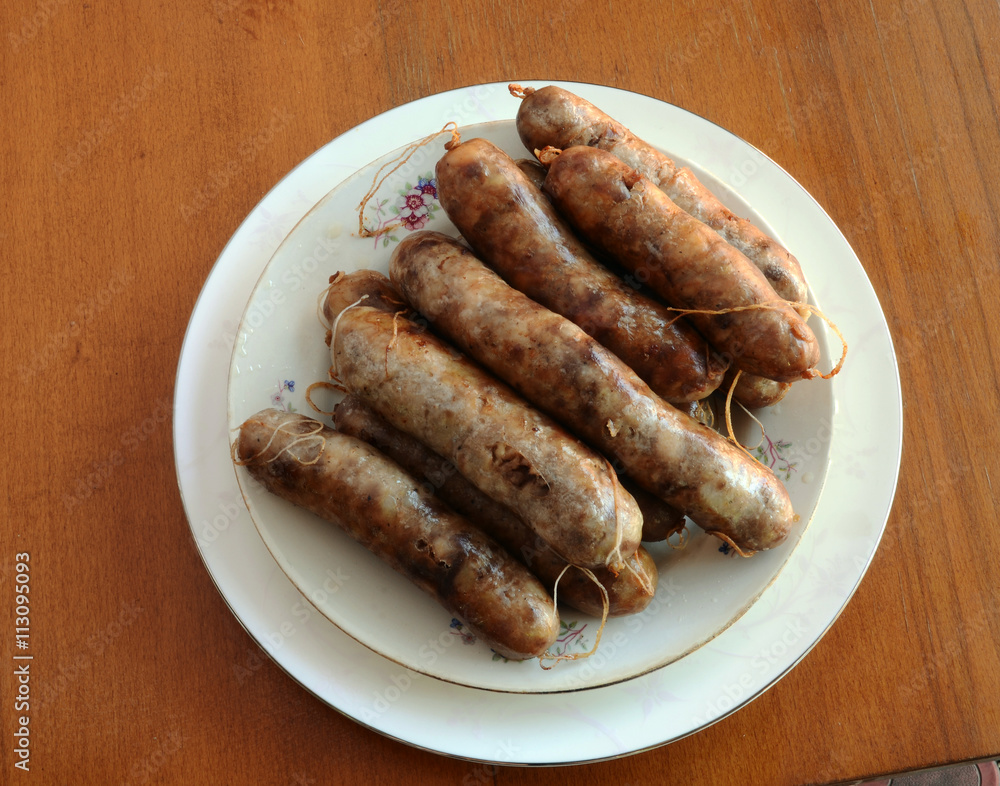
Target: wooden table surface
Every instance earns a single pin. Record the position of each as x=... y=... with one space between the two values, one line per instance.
x=124 y=170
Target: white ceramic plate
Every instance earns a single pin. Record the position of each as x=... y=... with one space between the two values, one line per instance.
x=861 y=435
x=280 y=350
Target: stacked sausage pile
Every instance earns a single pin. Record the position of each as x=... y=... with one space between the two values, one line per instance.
x=558 y=441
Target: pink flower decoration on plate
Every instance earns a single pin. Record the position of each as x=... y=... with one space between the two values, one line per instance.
x=414 y=207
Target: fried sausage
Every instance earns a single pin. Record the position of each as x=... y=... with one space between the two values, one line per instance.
x=512 y=227
x=563 y=370
x=755 y=392
x=687 y=264
x=367 y=286
x=659 y=520
x=551 y=116
x=349 y=483
x=532 y=170
x=628 y=593
x=782 y=270
x=563 y=490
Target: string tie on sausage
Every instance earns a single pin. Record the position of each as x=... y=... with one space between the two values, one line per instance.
x=520 y=92
x=606 y=603
x=843 y=355
x=311 y=436
x=321 y=299
x=547 y=155
x=760 y=425
x=724 y=537
x=644 y=580
x=335 y=371
x=455 y=141
x=619 y=529
x=328 y=386
x=729 y=416
x=392 y=341
x=774 y=305
x=682 y=537
x=729 y=422
x=399 y=161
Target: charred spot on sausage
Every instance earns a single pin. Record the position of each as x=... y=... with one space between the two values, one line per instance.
x=516 y=470
x=631 y=178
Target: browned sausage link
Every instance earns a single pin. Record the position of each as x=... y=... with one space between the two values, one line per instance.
x=532 y=170
x=345 y=481
x=659 y=520
x=552 y=116
x=536 y=173
x=353 y=416
x=628 y=593
x=686 y=263
x=513 y=227
x=779 y=267
x=702 y=411
x=782 y=270
x=755 y=392
x=560 y=368
x=556 y=117
x=563 y=490
x=367 y=286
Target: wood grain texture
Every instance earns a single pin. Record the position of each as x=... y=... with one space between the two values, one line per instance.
x=137 y=136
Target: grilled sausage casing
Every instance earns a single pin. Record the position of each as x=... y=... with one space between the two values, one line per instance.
x=687 y=264
x=628 y=593
x=563 y=370
x=755 y=392
x=563 y=490
x=513 y=227
x=551 y=116
x=346 y=481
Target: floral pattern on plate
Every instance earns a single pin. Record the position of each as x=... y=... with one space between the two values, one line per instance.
x=306 y=548
x=771 y=453
x=584 y=725
x=278 y=397
x=411 y=210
